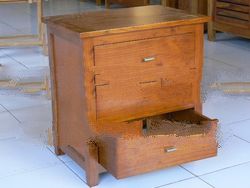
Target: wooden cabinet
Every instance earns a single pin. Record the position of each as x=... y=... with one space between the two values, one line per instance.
x=231 y=16
x=112 y=75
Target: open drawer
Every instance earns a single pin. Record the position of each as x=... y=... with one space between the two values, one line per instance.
x=166 y=140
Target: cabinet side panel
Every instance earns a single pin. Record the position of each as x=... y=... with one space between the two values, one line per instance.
x=199 y=58
x=70 y=122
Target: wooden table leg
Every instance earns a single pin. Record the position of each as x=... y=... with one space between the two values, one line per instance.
x=165 y=3
x=45 y=40
x=211 y=31
x=194 y=6
x=107 y=4
x=98 y=2
x=92 y=168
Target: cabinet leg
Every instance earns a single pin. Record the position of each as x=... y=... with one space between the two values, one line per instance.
x=92 y=170
x=198 y=108
x=58 y=151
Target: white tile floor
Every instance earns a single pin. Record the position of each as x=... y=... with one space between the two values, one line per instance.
x=26 y=161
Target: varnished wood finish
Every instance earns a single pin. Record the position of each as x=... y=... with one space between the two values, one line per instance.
x=125 y=78
x=140 y=154
x=124 y=20
x=113 y=69
x=231 y=16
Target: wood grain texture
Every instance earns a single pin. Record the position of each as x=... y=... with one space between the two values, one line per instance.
x=192 y=6
x=139 y=154
x=92 y=24
x=109 y=77
x=231 y=16
x=124 y=80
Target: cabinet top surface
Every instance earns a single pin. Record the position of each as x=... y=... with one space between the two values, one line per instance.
x=96 y=23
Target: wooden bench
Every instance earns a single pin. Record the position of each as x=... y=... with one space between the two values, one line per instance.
x=26 y=40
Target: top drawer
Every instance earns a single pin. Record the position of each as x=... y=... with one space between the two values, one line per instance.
x=150 y=52
x=146 y=77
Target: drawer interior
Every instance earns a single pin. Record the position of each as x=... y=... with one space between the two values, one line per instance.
x=181 y=123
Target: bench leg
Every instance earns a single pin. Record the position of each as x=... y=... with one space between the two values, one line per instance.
x=98 y=2
x=107 y=4
x=211 y=32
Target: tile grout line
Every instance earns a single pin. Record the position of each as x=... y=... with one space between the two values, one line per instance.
x=220 y=61
x=174 y=182
x=241 y=138
x=231 y=44
x=197 y=177
x=67 y=166
x=224 y=168
x=235 y=122
x=16 y=60
x=8 y=138
x=75 y=173
x=27 y=107
x=3 y=22
x=11 y=114
x=29 y=171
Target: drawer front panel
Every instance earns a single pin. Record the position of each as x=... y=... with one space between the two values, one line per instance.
x=128 y=86
x=161 y=152
x=126 y=101
x=151 y=52
x=146 y=153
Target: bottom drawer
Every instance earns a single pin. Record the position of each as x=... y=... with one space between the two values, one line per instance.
x=167 y=140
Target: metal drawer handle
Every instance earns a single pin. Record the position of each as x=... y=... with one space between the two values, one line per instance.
x=148 y=59
x=148 y=82
x=170 y=149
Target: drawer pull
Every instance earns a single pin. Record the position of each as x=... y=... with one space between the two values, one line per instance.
x=100 y=85
x=148 y=82
x=148 y=59
x=170 y=149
